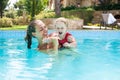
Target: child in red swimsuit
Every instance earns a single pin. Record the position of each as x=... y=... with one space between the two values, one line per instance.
x=65 y=38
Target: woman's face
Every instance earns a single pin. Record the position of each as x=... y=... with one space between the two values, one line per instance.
x=61 y=28
x=41 y=29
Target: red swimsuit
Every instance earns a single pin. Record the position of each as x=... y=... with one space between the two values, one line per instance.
x=61 y=42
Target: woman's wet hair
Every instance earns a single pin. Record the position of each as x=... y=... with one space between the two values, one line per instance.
x=30 y=29
x=29 y=35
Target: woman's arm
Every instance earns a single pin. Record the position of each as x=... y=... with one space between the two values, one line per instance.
x=54 y=41
x=55 y=44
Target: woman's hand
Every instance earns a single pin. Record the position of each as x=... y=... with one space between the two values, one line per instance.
x=46 y=40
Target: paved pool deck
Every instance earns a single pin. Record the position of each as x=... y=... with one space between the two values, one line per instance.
x=95 y=27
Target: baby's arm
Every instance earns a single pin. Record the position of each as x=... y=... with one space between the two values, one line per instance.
x=71 y=42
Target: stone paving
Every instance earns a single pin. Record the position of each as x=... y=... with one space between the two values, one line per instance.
x=96 y=27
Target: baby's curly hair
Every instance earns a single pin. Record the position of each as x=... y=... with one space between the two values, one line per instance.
x=61 y=19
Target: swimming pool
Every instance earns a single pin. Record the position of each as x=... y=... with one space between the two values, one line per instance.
x=97 y=57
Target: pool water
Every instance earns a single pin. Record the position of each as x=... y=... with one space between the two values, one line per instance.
x=97 y=57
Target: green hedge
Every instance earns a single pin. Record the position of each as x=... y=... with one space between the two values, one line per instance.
x=86 y=15
x=108 y=7
x=98 y=7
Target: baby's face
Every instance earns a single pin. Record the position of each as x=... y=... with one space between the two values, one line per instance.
x=61 y=28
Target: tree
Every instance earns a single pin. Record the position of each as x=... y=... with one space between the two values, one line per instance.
x=3 y=4
x=33 y=7
x=57 y=8
x=21 y=7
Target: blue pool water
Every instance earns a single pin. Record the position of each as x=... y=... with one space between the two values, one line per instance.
x=97 y=57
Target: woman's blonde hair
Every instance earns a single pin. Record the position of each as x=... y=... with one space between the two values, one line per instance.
x=61 y=19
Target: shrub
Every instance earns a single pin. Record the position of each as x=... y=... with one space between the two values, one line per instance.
x=85 y=13
x=11 y=13
x=6 y=22
x=45 y=15
x=15 y=21
x=69 y=8
x=21 y=20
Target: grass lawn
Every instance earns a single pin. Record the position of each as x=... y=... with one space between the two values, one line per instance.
x=15 y=27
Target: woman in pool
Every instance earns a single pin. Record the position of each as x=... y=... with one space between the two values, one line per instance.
x=38 y=30
x=65 y=38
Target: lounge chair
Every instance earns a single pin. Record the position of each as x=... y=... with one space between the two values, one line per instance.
x=118 y=20
x=108 y=20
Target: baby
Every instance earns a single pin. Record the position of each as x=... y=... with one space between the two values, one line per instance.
x=65 y=38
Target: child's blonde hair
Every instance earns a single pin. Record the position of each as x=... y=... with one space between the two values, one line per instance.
x=61 y=19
